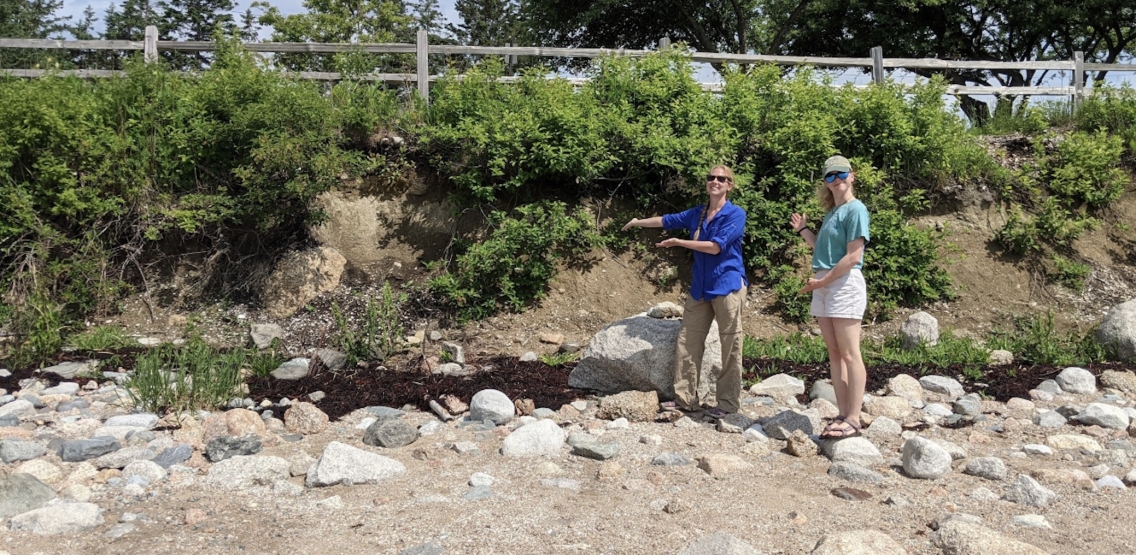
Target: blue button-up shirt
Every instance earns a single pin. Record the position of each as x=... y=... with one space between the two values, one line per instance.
x=715 y=274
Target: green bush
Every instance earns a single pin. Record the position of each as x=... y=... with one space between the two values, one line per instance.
x=1086 y=169
x=1111 y=109
x=512 y=266
x=1035 y=340
x=1069 y=273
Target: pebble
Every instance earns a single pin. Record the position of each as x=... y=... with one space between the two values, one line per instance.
x=923 y=458
x=1031 y=521
x=670 y=459
x=651 y=439
x=1036 y=449
x=1027 y=491
x=478 y=492
x=989 y=468
x=1110 y=482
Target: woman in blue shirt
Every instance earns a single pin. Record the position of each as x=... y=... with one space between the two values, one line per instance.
x=840 y=295
x=717 y=292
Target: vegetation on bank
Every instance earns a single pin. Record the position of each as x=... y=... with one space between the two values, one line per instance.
x=104 y=177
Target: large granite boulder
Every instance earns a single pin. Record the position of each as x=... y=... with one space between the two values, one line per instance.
x=1119 y=329
x=638 y=353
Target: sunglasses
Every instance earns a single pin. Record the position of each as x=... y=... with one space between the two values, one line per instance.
x=718 y=178
x=832 y=176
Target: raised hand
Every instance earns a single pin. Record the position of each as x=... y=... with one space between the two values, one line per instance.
x=798 y=221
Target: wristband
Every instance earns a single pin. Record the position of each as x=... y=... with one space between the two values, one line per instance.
x=802 y=229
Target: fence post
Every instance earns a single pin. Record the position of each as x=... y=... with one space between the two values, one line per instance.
x=664 y=43
x=1078 y=78
x=150 y=47
x=423 y=58
x=877 y=64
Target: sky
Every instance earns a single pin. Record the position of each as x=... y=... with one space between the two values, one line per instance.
x=704 y=73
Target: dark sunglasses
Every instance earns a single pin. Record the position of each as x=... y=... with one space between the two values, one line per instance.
x=718 y=178
x=832 y=176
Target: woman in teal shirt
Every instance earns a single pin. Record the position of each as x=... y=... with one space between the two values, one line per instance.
x=840 y=295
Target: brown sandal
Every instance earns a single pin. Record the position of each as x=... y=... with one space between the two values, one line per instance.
x=837 y=431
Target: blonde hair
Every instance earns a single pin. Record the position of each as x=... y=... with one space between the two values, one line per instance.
x=729 y=175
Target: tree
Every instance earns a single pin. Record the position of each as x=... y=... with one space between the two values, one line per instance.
x=193 y=20
x=30 y=19
x=738 y=26
x=428 y=16
x=1005 y=30
x=487 y=22
x=351 y=21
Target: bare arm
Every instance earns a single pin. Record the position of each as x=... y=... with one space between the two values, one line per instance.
x=855 y=251
x=656 y=221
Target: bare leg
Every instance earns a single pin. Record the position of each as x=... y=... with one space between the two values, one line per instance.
x=835 y=365
x=855 y=376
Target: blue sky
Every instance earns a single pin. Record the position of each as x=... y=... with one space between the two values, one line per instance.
x=75 y=7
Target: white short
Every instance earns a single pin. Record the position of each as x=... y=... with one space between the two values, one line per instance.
x=847 y=297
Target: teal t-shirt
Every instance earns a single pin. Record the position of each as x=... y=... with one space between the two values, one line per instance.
x=840 y=226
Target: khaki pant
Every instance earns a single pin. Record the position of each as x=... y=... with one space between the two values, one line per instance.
x=696 y=319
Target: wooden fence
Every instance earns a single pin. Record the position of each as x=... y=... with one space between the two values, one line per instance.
x=422 y=49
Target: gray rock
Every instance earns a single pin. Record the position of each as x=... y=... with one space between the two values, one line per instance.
x=225 y=447
x=937 y=409
x=148 y=470
x=294 y=369
x=543 y=437
x=478 y=492
x=14 y=450
x=919 y=329
x=20 y=493
x=332 y=359
x=637 y=354
x=64 y=388
x=543 y=412
x=853 y=472
x=36 y=402
x=68 y=370
x=9 y=421
x=720 y=543
x=1050 y=386
x=123 y=457
x=344 y=464
x=883 y=426
x=1031 y=521
x=69 y=406
x=990 y=468
x=1104 y=415
x=529 y=356
x=734 y=423
x=925 y=459
x=858 y=542
x=958 y=537
x=779 y=386
x=856 y=450
x=670 y=459
x=1049 y=419
x=903 y=385
x=588 y=446
x=430 y=548
x=822 y=389
x=1110 y=482
x=1077 y=381
x=481 y=479
x=457 y=354
x=262 y=335
x=493 y=405
x=391 y=432
x=1069 y=411
x=1118 y=329
x=1027 y=491
x=782 y=424
x=244 y=472
x=385 y=412
x=1036 y=449
x=944 y=385
x=174 y=455
x=79 y=450
x=452 y=369
x=142 y=420
x=62 y=518
x=19 y=408
x=968 y=405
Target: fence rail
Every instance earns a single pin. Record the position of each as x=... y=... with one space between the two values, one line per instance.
x=422 y=50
